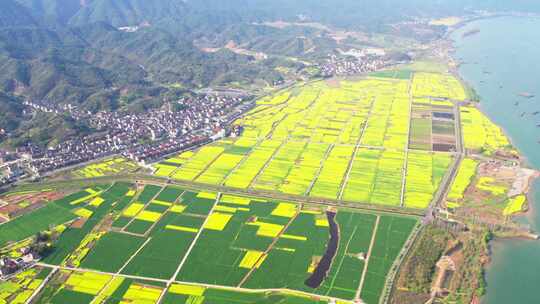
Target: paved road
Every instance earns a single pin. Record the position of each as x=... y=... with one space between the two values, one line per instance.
x=150 y=179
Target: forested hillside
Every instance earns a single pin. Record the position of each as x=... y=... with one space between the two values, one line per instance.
x=99 y=54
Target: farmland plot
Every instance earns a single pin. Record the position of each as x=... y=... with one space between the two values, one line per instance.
x=304 y=141
x=480 y=134
x=440 y=86
x=424 y=174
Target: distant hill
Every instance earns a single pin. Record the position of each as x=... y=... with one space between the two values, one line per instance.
x=129 y=12
x=58 y=66
x=367 y=14
x=53 y=11
x=74 y=65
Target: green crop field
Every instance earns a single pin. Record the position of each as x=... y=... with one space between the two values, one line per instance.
x=112 y=251
x=50 y=215
x=224 y=240
x=158 y=259
x=169 y=194
x=70 y=296
x=138 y=226
x=290 y=262
x=29 y=224
x=181 y=293
x=399 y=74
x=70 y=239
x=391 y=235
x=148 y=193
x=257 y=243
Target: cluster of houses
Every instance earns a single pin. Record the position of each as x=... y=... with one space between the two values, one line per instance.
x=142 y=137
x=195 y=113
x=11 y=266
x=11 y=170
x=349 y=65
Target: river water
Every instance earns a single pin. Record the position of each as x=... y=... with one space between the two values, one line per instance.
x=501 y=61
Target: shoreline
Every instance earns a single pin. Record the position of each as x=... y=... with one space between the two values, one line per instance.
x=527 y=231
x=466 y=22
x=454 y=67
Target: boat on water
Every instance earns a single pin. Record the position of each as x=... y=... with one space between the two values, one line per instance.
x=526 y=95
x=470 y=33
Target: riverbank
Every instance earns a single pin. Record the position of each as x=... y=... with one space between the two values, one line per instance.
x=514 y=256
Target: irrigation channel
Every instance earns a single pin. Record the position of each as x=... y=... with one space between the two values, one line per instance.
x=321 y=272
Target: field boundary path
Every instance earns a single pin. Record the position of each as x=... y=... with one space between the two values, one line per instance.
x=368 y=255
x=184 y=259
x=42 y=285
x=407 y=146
x=357 y=147
x=240 y=163
x=253 y=182
x=270 y=247
x=396 y=266
x=319 y=170
x=134 y=254
x=238 y=289
x=193 y=186
x=449 y=178
x=144 y=207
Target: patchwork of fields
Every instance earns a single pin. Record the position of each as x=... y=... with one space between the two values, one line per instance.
x=386 y=140
x=346 y=142
x=87 y=287
x=145 y=242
